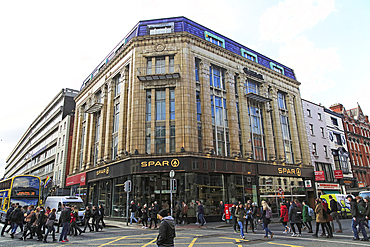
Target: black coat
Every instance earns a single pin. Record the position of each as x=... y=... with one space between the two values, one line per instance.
x=295 y=214
x=144 y=213
x=87 y=214
x=96 y=214
x=65 y=216
x=166 y=232
x=354 y=209
x=16 y=216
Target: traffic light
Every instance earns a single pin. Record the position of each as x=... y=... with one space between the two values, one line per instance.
x=127 y=186
x=174 y=184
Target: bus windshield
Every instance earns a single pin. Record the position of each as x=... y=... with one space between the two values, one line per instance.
x=25 y=201
x=26 y=186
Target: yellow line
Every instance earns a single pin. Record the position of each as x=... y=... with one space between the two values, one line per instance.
x=285 y=244
x=113 y=241
x=149 y=242
x=192 y=242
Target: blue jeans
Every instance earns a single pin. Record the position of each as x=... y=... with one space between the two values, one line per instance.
x=267 y=231
x=132 y=217
x=14 y=227
x=360 y=222
x=65 y=230
x=201 y=219
x=241 y=225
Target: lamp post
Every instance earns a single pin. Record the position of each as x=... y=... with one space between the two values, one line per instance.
x=172 y=175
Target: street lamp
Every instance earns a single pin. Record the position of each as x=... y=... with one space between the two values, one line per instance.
x=172 y=175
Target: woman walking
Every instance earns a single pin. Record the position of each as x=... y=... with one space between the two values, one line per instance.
x=320 y=219
x=50 y=225
x=306 y=216
x=249 y=217
x=144 y=213
x=295 y=214
x=240 y=217
x=74 y=227
x=284 y=217
x=265 y=216
x=329 y=219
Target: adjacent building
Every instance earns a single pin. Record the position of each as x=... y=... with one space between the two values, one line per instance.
x=357 y=135
x=175 y=95
x=43 y=149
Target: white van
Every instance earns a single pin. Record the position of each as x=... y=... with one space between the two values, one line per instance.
x=57 y=202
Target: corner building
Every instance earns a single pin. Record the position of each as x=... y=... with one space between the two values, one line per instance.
x=175 y=95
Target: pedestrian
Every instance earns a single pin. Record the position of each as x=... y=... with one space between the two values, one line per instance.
x=40 y=221
x=29 y=219
x=357 y=219
x=284 y=217
x=184 y=213
x=320 y=217
x=233 y=216
x=133 y=209
x=177 y=213
x=222 y=210
x=144 y=215
x=367 y=209
x=295 y=215
x=240 y=214
x=59 y=224
x=201 y=213
x=139 y=213
x=24 y=214
x=87 y=216
x=266 y=218
x=102 y=215
x=16 y=216
x=167 y=232
x=328 y=218
x=7 y=220
x=96 y=218
x=153 y=216
x=196 y=213
x=306 y=216
x=50 y=225
x=249 y=217
x=65 y=218
x=256 y=214
x=74 y=217
x=361 y=202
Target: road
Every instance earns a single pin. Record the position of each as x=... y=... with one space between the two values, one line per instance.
x=215 y=235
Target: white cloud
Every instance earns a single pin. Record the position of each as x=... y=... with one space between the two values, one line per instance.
x=284 y=22
x=311 y=64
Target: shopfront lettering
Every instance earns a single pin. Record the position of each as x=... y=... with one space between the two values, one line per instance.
x=102 y=171
x=292 y=171
x=173 y=163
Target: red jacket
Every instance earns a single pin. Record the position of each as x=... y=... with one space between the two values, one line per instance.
x=284 y=213
x=73 y=217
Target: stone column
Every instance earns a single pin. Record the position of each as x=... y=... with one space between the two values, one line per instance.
x=277 y=126
x=152 y=123
x=205 y=96
x=167 y=117
x=244 y=119
x=103 y=116
x=74 y=152
x=109 y=122
x=122 y=130
x=232 y=114
x=302 y=131
x=78 y=139
x=90 y=143
x=86 y=149
x=293 y=129
x=267 y=125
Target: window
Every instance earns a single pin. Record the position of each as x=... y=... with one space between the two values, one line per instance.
x=328 y=171
x=326 y=151
x=334 y=121
x=60 y=141
x=57 y=160
x=197 y=69
x=172 y=104
x=61 y=157
x=148 y=105
x=200 y=144
x=160 y=103
x=115 y=118
x=249 y=55
x=311 y=129
x=64 y=136
x=256 y=131
x=221 y=143
x=314 y=150
x=337 y=139
x=319 y=116
x=281 y=100
x=172 y=139
x=161 y=28
x=160 y=139
x=149 y=66
x=160 y=65
x=148 y=140
x=322 y=132
x=115 y=131
x=309 y=113
x=216 y=77
x=277 y=68
x=286 y=139
x=65 y=125
x=96 y=139
x=82 y=147
x=214 y=39
x=251 y=87
x=199 y=108
x=171 y=68
x=117 y=85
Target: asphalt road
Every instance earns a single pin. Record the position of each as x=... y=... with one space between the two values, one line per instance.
x=193 y=236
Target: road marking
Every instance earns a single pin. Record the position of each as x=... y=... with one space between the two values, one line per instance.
x=150 y=242
x=285 y=244
x=331 y=241
x=113 y=241
x=192 y=242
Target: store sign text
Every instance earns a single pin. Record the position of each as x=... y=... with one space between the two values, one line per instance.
x=102 y=171
x=173 y=163
x=295 y=171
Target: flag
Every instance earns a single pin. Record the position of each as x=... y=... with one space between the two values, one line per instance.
x=47 y=180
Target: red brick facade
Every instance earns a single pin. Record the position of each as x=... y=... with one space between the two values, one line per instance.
x=357 y=131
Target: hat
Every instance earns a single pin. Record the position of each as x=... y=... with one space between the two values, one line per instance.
x=163 y=213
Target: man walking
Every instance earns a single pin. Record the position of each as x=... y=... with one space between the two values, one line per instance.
x=133 y=209
x=166 y=230
x=15 y=219
x=334 y=213
x=200 y=213
x=184 y=213
x=65 y=218
x=222 y=210
x=7 y=220
x=357 y=219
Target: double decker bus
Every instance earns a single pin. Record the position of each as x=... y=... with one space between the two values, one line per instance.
x=22 y=189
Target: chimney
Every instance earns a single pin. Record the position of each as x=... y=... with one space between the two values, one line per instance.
x=338 y=108
x=366 y=119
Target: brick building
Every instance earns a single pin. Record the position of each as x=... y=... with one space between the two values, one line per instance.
x=175 y=95
x=357 y=130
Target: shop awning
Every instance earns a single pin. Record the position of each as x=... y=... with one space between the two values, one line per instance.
x=331 y=192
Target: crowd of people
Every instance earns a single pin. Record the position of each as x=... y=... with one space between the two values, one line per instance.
x=39 y=221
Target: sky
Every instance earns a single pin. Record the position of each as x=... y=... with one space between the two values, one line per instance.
x=49 y=45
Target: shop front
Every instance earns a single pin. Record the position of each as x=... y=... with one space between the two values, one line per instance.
x=285 y=183
x=78 y=186
x=198 y=178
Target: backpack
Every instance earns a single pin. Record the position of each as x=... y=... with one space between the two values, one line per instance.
x=13 y=216
x=268 y=213
x=311 y=213
x=361 y=209
x=324 y=213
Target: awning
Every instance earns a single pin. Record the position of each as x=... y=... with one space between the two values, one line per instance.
x=331 y=191
x=257 y=97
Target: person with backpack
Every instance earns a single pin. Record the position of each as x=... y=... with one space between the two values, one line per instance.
x=357 y=212
x=367 y=209
x=307 y=214
x=65 y=218
x=16 y=217
x=50 y=225
x=266 y=218
x=328 y=218
x=240 y=217
x=284 y=217
x=320 y=217
x=334 y=213
x=295 y=215
x=361 y=202
x=7 y=220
